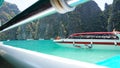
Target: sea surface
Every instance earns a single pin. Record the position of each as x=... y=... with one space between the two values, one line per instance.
x=93 y=55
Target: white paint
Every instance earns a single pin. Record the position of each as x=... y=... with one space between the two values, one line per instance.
x=23 y=58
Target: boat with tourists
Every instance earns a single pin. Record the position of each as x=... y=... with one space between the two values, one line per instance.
x=88 y=39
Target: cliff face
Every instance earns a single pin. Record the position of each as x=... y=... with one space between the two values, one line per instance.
x=7 y=12
x=114 y=18
x=87 y=17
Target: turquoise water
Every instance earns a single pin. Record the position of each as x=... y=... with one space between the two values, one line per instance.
x=113 y=62
x=94 y=55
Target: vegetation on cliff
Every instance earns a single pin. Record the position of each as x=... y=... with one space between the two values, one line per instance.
x=87 y=17
x=114 y=17
x=7 y=12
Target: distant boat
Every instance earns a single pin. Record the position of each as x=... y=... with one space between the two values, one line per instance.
x=8 y=40
x=88 y=39
x=30 y=39
x=41 y=39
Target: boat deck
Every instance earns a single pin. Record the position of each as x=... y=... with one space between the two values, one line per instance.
x=5 y=64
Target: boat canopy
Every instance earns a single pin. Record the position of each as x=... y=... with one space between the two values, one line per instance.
x=93 y=33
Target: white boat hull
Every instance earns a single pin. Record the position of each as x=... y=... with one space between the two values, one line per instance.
x=22 y=58
x=86 y=43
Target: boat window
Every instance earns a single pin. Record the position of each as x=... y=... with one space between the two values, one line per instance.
x=95 y=36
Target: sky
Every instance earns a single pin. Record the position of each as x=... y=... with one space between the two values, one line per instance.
x=23 y=4
x=101 y=3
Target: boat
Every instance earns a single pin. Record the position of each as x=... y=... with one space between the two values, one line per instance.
x=88 y=39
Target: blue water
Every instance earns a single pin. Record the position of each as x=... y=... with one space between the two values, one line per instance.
x=94 y=55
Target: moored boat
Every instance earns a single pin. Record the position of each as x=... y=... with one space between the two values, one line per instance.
x=88 y=39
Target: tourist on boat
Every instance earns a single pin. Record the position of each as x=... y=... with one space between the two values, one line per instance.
x=58 y=37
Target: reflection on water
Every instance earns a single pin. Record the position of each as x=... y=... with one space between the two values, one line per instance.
x=94 y=55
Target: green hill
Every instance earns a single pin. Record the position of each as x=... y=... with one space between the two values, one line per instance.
x=86 y=18
x=7 y=12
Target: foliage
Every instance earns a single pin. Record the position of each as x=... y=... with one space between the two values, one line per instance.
x=7 y=12
x=86 y=18
x=114 y=18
